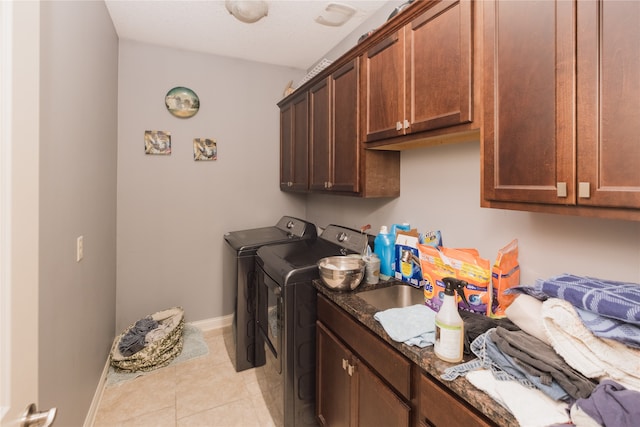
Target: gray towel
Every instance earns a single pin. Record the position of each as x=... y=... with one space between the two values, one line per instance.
x=413 y=325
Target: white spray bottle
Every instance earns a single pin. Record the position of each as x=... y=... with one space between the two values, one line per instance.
x=449 y=325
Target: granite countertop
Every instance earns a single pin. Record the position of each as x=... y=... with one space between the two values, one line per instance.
x=425 y=358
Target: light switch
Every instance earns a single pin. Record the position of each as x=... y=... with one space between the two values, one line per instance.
x=79 y=248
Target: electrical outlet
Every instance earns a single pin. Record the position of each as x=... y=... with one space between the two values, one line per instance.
x=79 y=248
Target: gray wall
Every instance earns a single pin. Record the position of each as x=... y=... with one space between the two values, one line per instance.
x=78 y=130
x=174 y=211
x=440 y=190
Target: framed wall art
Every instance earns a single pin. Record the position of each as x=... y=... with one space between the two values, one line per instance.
x=205 y=149
x=182 y=102
x=157 y=142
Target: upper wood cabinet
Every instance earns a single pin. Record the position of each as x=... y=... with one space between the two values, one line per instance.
x=561 y=106
x=334 y=144
x=294 y=143
x=420 y=77
x=323 y=121
x=608 y=103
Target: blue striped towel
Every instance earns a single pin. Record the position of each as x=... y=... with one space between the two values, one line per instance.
x=606 y=327
x=618 y=300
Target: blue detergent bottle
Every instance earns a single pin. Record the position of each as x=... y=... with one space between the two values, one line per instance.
x=383 y=247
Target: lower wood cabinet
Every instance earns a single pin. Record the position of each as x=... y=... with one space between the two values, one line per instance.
x=349 y=393
x=439 y=407
x=363 y=381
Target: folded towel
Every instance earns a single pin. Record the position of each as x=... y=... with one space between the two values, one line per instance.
x=606 y=327
x=530 y=407
x=592 y=356
x=619 y=300
x=525 y=311
x=413 y=325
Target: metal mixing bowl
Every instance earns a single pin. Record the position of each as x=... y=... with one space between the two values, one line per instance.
x=341 y=273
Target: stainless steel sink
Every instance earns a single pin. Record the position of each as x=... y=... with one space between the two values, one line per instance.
x=393 y=297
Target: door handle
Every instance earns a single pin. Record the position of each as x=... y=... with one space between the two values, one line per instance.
x=33 y=418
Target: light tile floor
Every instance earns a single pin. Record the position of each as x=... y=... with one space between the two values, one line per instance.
x=205 y=391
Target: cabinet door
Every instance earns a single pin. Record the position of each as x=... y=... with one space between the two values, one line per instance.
x=333 y=384
x=377 y=404
x=609 y=103
x=334 y=123
x=346 y=144
x=529 y=119
x=440 y=408
x=440 y=67
x=320 y=138
x=383 y=88
x=294 y=140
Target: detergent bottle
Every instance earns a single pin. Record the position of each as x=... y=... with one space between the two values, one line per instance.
x=449 y=325
x=383 y=247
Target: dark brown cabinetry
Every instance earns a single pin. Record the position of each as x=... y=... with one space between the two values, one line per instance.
x=334 y=143
x=420 y=77
x=294 y=141
x=439 y=407
x=561 y=102
x=348 y=391
x=320 y=144
x=363 y=381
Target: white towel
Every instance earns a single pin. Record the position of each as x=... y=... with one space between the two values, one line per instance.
x=526 y=312
x=413 y=325
x=592 y=356
x=530 y=406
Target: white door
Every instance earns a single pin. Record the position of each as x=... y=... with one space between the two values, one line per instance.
x=19 y=211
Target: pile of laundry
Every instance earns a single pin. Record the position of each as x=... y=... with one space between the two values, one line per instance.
x=573 y=357
x=150 y=343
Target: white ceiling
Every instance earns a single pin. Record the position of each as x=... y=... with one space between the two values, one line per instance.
x=288 y=36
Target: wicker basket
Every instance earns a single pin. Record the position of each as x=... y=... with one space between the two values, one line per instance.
x=156 y=354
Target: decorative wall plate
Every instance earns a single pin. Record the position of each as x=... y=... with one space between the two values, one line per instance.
x=182 y=102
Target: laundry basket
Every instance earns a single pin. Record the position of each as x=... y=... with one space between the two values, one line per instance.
x=155 y=354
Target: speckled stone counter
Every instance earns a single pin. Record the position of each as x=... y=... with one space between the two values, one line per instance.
x=423 y=357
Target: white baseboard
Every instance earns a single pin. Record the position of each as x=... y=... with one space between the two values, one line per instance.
x=204 y=325
x=213 y=323
x=97 y=397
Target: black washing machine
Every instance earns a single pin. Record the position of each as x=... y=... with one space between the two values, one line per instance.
x=286 y=322
x=239 y=277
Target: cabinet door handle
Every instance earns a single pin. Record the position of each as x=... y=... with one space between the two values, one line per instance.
x=406 y=124
x=584 y=190
x=345 y=363
x=398 y=126
x=562 y=189
x=329 y=185
x=350 y=370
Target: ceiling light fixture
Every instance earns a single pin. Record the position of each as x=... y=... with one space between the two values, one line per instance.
x=337 y=14
x=248 y=11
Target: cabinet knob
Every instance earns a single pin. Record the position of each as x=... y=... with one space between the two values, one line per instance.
x=345 y=363
x=584 y=190
x=398 y=126
x=406 y=124
x=329 y=185
x=289 y=184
